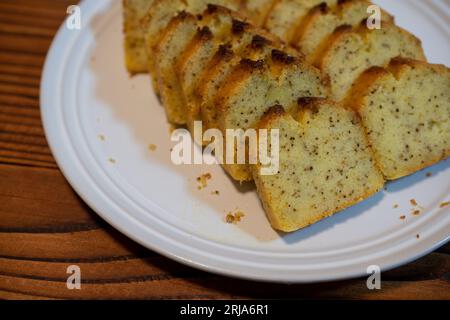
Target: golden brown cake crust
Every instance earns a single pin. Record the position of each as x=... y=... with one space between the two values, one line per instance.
x=398 y=74
x=316 y=27
x=280 y=76
x=351 y=51
x=274 y=118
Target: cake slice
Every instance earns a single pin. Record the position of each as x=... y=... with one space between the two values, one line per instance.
x=160 y=14
x=251 y=44
x=322 y=20
x=181 y=29
x=181 y=45
x=287 y=15
x=135 y=54
x=405 y=110
x=253 y=86
x=352 y=51
x=199 y=52
x=325 y=164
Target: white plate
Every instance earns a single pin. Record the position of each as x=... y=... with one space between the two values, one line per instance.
x=86 y=93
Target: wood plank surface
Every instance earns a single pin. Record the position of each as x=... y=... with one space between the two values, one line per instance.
x=45 y=227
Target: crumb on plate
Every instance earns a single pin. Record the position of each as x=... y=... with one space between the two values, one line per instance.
x=239 y=215
x=152 y=147
x=234 y=218
x=445 y=204
x=203 y=180
x=230 y=218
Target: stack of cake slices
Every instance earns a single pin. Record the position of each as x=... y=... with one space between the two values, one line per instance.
x=354 y=105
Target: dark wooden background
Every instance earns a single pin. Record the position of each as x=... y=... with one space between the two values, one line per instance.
x=45 y=227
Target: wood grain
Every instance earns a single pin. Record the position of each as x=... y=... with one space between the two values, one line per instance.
x=45 y=227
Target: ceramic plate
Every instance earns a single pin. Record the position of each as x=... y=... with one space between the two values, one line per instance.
x=109 y=135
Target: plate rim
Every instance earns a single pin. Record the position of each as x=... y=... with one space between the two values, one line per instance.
x=59 y=149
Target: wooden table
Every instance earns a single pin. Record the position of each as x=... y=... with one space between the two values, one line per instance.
x=45 y=227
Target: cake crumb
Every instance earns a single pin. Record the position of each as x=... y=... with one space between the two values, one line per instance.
x=113 y=161
x=416 y=212
x=239 y=215
x=215 y=193
x=418 y=236
x=395 y=206
x=413 y=202
x=402 y=217
x=203 y=180
x=101 y=137
x=234 y=218
x=445 y=204
x=429 y=174
x=230 y=218
x=152 y=147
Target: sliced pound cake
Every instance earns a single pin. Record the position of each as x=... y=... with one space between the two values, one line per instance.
x=181 y=29
x=161 y=13
x=191 y=64
x=253 y=86
x=322 y=20
x=287 y=15
x=135 y=54
x=352 y=51
x=198 y=54
x=405 y=110
x=325 y=165
x=178 y=47
x=249 y=45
